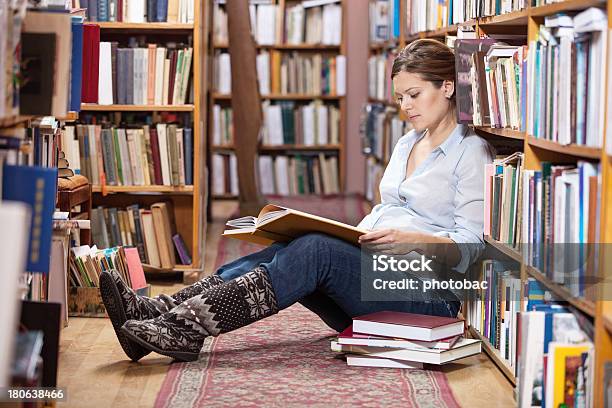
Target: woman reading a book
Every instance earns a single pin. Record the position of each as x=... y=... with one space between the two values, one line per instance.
x=432 y=193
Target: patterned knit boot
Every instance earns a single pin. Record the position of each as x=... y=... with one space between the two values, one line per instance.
x=123 y=304
x=180 y=333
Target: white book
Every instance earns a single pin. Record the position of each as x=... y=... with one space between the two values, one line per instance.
x=224 y=70
x=135 y=11
x=105 y=75
x=314 y=17
x=15 y=221
x=281 y=170
x=266 y=174
x=166 y=84
x=263 y=72
x=186 y=71
x=332 y=24
x=234 y=189
x=295 y=24
x=308 y=121
x=190 y=11
x=275 y=125
x=266 y=24
x=365 y=361
x=180 y=144
x=180 y=60
x=144 y=70
x=137 y=77
x=218 y=174
x=163 y=153
x=93 y=154
x=340 y=75
x=322 y=125
x=160 y=54
x=252 y=20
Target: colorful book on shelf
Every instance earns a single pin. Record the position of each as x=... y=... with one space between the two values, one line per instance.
x=35 y=186
x=348 y=337
x=280 y=224
x=408 y=325
x=463 y=348
x=181 y=249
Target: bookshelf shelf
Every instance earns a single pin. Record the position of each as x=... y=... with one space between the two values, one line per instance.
x=389 y=45
x=144 y=189
x=571 y=150
x=144 y=26
x=504 y=249
x=566 y=5
x=137 y=108
x=289 y=47
x=13 y=121
x=306 y=148
x=70 y=117
x=286 y=97
x=514 y=18
x=584 y=305
x=494 y=355
x=503 y=132
x=441 y=32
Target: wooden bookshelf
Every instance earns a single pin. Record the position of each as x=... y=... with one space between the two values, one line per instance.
x=143 y=189
x=338 y=150
x=13 y=121
x=493 y=354
x=105 y=25
x=571 y=150
x=536 y=151
x=284 y=97
x=187 y=201
x=137 y=108
x=502 y=132
x=290 y=47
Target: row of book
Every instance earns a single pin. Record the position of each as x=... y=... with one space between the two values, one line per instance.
x=140 y=11
x=379 y=76
x=381 y=129
x=404 y=340
x=434 y=14
x=280 y=175
x=304 y=23
x=87 y=263
x=385 y=19
x=153 y=74
x=285 y=123
x=550 y=215
x=152 y=231
x=569 y=110
x=160 y=154
x=545 y=344
x=493 y=82
x=288 y=73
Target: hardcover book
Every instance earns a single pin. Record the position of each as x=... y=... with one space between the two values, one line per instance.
x=280 y=224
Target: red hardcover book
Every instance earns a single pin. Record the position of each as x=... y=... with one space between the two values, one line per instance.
x=408 y=326
x=155 y=153
x=173 y=55
x=91 y=62
x=348 y=337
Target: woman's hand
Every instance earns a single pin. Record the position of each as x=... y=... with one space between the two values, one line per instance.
x=391 y=241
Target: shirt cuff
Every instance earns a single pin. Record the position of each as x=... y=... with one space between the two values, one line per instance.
x=467 y=256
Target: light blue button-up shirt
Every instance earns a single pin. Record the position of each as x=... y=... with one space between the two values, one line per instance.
x=443 y=196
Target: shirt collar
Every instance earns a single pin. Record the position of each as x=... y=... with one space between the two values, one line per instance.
x=453 y=139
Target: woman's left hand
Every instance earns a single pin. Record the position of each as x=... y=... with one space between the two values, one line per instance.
x=391 y=241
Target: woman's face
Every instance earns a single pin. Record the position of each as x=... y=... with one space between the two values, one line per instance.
x=424 y=104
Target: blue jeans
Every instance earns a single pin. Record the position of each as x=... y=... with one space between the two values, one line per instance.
x=323 y=274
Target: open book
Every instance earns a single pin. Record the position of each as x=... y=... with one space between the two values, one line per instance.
x=280 y=224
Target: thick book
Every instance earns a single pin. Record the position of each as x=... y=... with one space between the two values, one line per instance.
x=280 y=224
x=38 y=54
x=347 y=337
x=408 y=325
x=366 y=361
x=463 y=348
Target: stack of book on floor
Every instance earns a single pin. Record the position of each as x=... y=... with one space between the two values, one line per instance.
x=404 y=340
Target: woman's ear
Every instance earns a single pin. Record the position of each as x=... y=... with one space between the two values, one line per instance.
x=448 y=88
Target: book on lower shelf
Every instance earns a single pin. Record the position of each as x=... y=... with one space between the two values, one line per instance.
x=280 y=224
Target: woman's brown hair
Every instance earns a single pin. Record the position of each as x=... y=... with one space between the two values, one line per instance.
x=431 y=59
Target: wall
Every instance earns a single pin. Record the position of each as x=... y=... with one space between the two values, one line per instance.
x=357 y=76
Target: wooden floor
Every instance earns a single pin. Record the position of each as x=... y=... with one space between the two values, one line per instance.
x=96 y=373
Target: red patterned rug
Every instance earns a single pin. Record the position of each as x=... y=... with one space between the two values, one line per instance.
x=285 y=360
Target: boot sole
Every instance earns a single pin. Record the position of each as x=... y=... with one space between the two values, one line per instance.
x=177 y=355
x=114 y=309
